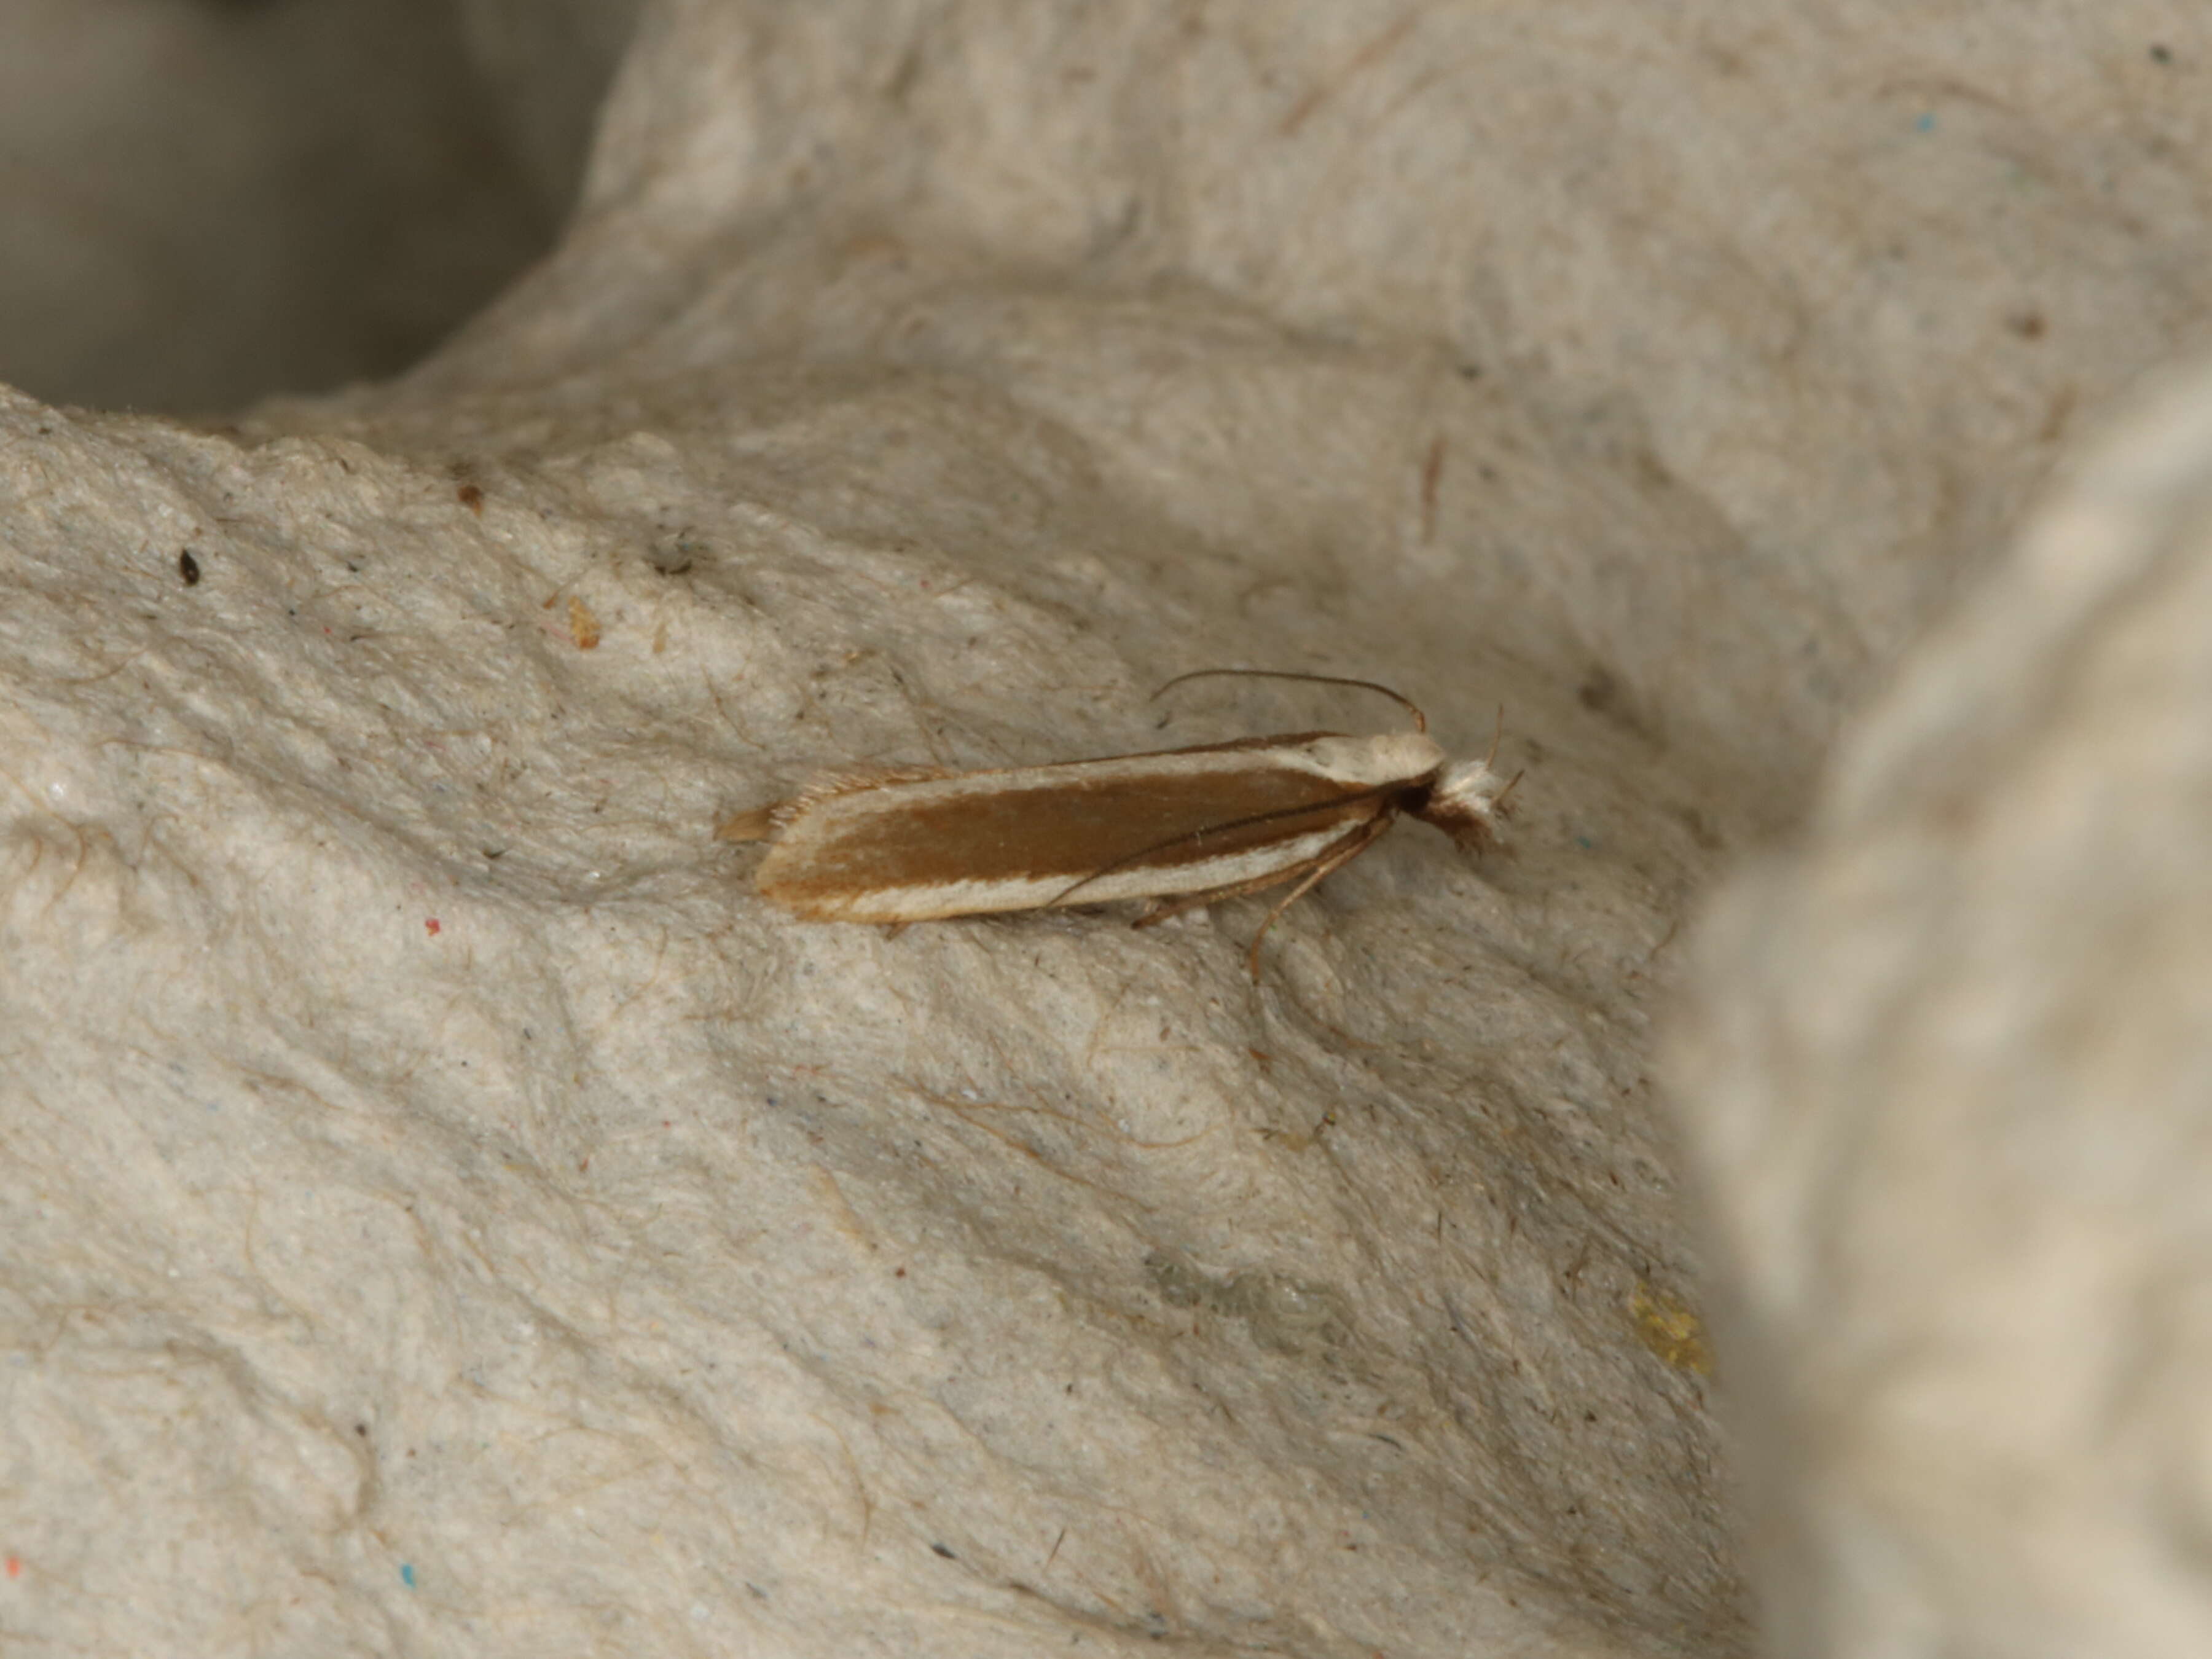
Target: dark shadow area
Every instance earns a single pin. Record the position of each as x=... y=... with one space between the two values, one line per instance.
x=205 y=202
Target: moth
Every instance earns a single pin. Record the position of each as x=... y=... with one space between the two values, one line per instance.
x=1180 y=827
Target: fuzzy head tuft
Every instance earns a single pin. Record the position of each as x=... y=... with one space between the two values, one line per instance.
x=1467 y=802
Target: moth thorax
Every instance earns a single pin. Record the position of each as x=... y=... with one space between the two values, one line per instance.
x=1464 y=802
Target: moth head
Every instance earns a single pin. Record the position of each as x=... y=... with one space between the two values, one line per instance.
x=1467 y=801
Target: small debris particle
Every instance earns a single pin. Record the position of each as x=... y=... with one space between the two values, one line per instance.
x=188 y=568
x=944 y=1552
x=674 y=555
x=471 y=497
x=430 y=927
x=583 y=626
x=1432 y=472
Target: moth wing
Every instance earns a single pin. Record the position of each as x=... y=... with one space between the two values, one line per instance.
x=763 y=822
x=1083 y=832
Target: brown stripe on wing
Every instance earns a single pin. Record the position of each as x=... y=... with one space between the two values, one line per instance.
x=762 y=823
x=1068 y=827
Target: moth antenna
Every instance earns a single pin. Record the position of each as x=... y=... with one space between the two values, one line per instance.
x=1496 y=737
x=1420 y=720
x=1505 y=794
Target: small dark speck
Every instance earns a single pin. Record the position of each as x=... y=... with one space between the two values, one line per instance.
x=2028 y=325
x=1470 y=371
x=188 y=568
x=944 y=1552
x=1700 y=831
x=471 y=497
x=2161 y=54
x=362 y=1429
x=1600 y=691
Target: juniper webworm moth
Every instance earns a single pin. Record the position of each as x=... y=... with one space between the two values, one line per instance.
x=1179 y=827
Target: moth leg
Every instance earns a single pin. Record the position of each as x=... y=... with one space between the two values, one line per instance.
x=1327 y=860
x=1164 y=909
x=1161 y=910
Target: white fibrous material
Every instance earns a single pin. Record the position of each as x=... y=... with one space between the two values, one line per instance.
x=446 y=1209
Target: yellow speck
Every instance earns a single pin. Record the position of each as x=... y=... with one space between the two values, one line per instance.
x=1670 y=1329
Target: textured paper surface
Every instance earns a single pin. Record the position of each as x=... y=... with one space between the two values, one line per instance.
x=445 y=1211
x=1949 y=1079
